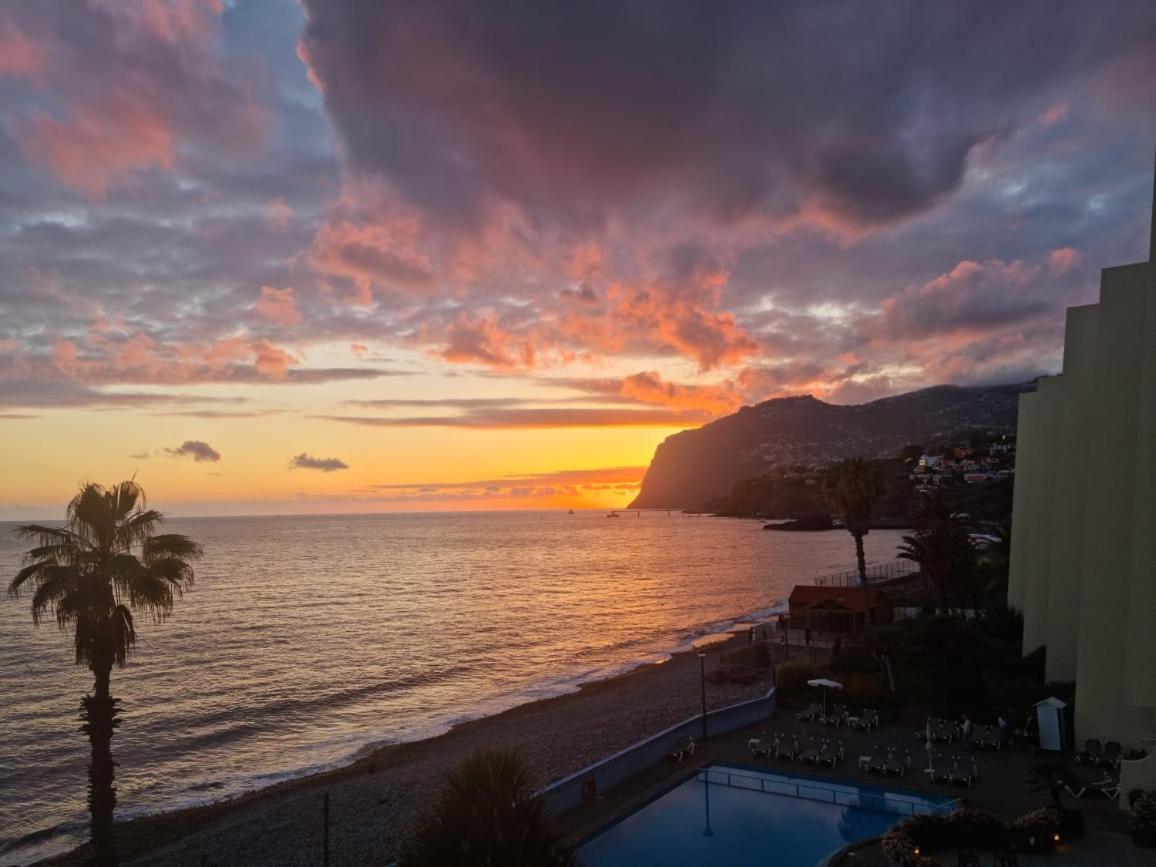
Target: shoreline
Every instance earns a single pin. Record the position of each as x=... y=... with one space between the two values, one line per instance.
x=557 y=735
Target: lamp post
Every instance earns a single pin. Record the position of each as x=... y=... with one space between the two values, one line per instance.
x=702 y=681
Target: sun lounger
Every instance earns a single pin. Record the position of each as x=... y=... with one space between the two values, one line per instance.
x=836 y=717
x=1107 y=786
x=939 y=770
x=896 y=765
x=811 y=752
x=684 y=750
x=1111 y=757
x=991 y=738
x=869 y=719
x=831 y=754
x=787 y=748
x=878 y=762
x=812 y=713
x=964 y=771
x=1091 y=753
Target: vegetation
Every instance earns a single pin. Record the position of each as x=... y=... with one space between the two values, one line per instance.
x=852 y=487
x=910 y=842
x=953 y=666
x=942 y=548
x=1143 y=814
x=791 y=677
x=486 y=814
x=90 y=575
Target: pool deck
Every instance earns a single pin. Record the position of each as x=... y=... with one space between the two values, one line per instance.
x=1005 y=787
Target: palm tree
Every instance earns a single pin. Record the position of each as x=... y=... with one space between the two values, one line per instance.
x=852 y=487
x=942 y=547
x=106 y=562
x=486 y=813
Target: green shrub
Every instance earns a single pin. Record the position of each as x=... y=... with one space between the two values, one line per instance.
x=911 y=841
x=485 y=813
x=791 y=678
x=1143 y=816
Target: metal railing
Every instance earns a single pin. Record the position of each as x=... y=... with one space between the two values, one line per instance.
x=816 y=790
x=875 y=572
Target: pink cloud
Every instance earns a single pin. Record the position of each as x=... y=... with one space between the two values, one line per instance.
x=278 y=306
x=98 y=143
x=20 y=55
x=124 y=87
x=1053 y=114
x=1064 y=259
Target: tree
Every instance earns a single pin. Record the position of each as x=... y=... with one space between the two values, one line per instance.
x=852 y=488
x=942 y=547
x=485 y=814
x=106 y=562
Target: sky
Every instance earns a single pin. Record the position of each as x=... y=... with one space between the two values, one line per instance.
x=353 y=255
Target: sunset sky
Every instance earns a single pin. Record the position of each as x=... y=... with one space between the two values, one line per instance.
x=352 y=255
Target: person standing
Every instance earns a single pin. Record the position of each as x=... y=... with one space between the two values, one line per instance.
x=965 y=732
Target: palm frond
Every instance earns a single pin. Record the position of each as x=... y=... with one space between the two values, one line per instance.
x=171 y=546
x=33 y=574
x=146 y=591
x=53 y=584
x=124 y=498
x=173 y=570
x=41 y=535
x=123 y=634
x=137 y=528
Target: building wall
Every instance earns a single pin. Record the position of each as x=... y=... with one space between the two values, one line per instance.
x=1026 y=450
x=1045 y=442
x=1068 y=518
x=1083 y=558
x=1111 y=575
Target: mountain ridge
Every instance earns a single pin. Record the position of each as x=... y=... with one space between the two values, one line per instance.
x=693 y=466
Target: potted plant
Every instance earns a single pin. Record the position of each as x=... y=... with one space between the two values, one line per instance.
x=1041 y=828
x=1143 y=820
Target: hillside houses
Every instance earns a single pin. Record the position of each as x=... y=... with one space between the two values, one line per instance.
x=966 y=463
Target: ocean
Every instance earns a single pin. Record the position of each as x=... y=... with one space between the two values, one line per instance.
x=306 y=640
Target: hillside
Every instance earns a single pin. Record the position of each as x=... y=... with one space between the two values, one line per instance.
x=694 y=466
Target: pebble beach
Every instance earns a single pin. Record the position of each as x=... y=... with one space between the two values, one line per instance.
x=373 y=800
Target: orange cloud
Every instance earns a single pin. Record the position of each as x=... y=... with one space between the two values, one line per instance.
x=278 y=306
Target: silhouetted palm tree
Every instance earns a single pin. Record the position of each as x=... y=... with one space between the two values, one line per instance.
x=852 y=488
x=941 y=546
x=90 y=575
x=486 y=814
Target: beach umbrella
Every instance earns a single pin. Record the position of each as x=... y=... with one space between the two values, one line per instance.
x=826 y=685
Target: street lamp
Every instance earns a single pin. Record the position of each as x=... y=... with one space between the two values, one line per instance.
x=700 y=647
x=702 y=681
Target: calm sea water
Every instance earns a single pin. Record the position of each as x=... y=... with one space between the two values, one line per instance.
x=306 y=639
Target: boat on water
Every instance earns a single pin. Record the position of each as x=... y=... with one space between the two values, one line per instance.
x=613 y=515
x=571 y=512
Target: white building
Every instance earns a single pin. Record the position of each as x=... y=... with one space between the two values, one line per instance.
x=1083 y=560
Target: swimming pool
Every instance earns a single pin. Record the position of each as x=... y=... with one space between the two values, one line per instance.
x=729 y=815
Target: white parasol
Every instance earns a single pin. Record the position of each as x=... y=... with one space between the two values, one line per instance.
x=826 y=685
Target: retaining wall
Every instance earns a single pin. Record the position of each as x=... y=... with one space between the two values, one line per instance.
x=566 y=794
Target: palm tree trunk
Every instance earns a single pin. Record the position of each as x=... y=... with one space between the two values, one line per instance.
x=98 y=712
x=861 y=559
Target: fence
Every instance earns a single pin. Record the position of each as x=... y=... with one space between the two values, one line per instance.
x=827 y=793
x=568 y=793
x=875 y=572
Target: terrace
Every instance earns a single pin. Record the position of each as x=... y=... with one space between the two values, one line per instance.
x=1007 y=784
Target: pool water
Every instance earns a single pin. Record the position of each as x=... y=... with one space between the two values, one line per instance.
x=726 y=816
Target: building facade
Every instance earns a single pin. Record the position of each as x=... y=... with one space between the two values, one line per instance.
x=1083 y=558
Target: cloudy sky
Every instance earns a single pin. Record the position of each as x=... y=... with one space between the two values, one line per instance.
x=352 y=255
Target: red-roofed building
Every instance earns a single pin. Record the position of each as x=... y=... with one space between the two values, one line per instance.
x=836 y=609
